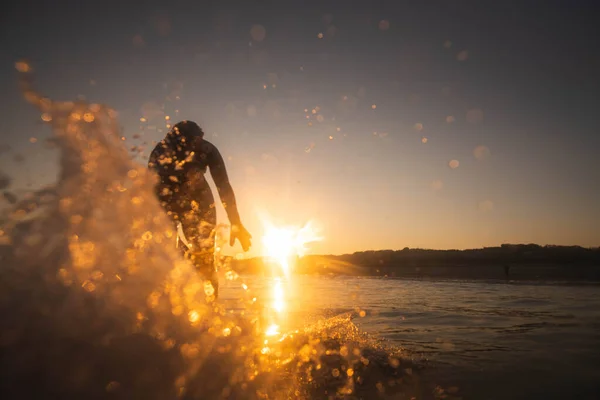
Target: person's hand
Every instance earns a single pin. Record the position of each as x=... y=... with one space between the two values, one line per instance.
x=240 y=233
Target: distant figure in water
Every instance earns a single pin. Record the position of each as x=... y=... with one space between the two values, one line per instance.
x=506 y=270
x=181 y=160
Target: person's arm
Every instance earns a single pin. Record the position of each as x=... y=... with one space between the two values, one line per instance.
x=219 y=175
x=216 y=164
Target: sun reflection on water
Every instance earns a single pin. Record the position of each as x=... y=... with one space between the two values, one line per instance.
x=283 y=246
x=278 y=296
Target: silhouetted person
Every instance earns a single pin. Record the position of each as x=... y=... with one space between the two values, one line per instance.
x=506 y=270
x=181 y=160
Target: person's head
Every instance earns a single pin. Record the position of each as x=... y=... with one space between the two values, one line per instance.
x=189 y=131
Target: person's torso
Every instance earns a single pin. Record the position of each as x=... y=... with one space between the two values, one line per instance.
x=181 y=170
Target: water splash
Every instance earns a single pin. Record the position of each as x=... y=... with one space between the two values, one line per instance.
x=96 y=302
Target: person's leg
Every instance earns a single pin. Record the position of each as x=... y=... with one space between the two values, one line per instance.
x=199 y=229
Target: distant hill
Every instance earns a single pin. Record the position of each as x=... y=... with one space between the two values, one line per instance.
x=508 y=261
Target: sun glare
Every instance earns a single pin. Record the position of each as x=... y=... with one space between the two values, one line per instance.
x=283 y=244
x=272 y=330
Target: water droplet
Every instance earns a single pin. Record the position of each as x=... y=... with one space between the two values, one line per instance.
x=23 y=67
x=462 y=56
x=138 y=41
x=474 y=116
x=136 y=201
x=320 y=35
x=453 y=164
x=209 y=290
x=88 y=286
x=481 y=152
x=231 y=275
x=258 y=33
x=112 y=386
x=193 y=316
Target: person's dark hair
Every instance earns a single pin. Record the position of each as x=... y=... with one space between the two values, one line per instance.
x=187 y=129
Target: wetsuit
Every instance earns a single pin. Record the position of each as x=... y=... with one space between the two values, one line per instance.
x=181 y=160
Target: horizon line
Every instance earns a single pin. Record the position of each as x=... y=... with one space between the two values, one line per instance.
x=431 y=249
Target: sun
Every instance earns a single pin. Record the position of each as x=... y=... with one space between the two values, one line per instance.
x=283 y=244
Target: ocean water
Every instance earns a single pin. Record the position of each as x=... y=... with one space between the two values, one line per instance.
x=481 y=340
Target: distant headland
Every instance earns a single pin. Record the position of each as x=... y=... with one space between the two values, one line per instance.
x=508 y=261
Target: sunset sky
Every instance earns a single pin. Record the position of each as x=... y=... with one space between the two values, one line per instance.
x=442 y=124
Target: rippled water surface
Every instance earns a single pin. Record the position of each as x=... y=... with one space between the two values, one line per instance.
x=490 y=340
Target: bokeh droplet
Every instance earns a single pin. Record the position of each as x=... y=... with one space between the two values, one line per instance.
x=258 y=33
x=474 y=116
x=481 y=152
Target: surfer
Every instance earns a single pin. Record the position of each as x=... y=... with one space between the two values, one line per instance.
x=181 y=160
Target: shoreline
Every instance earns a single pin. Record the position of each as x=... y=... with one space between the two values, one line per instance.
x=493 y=273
